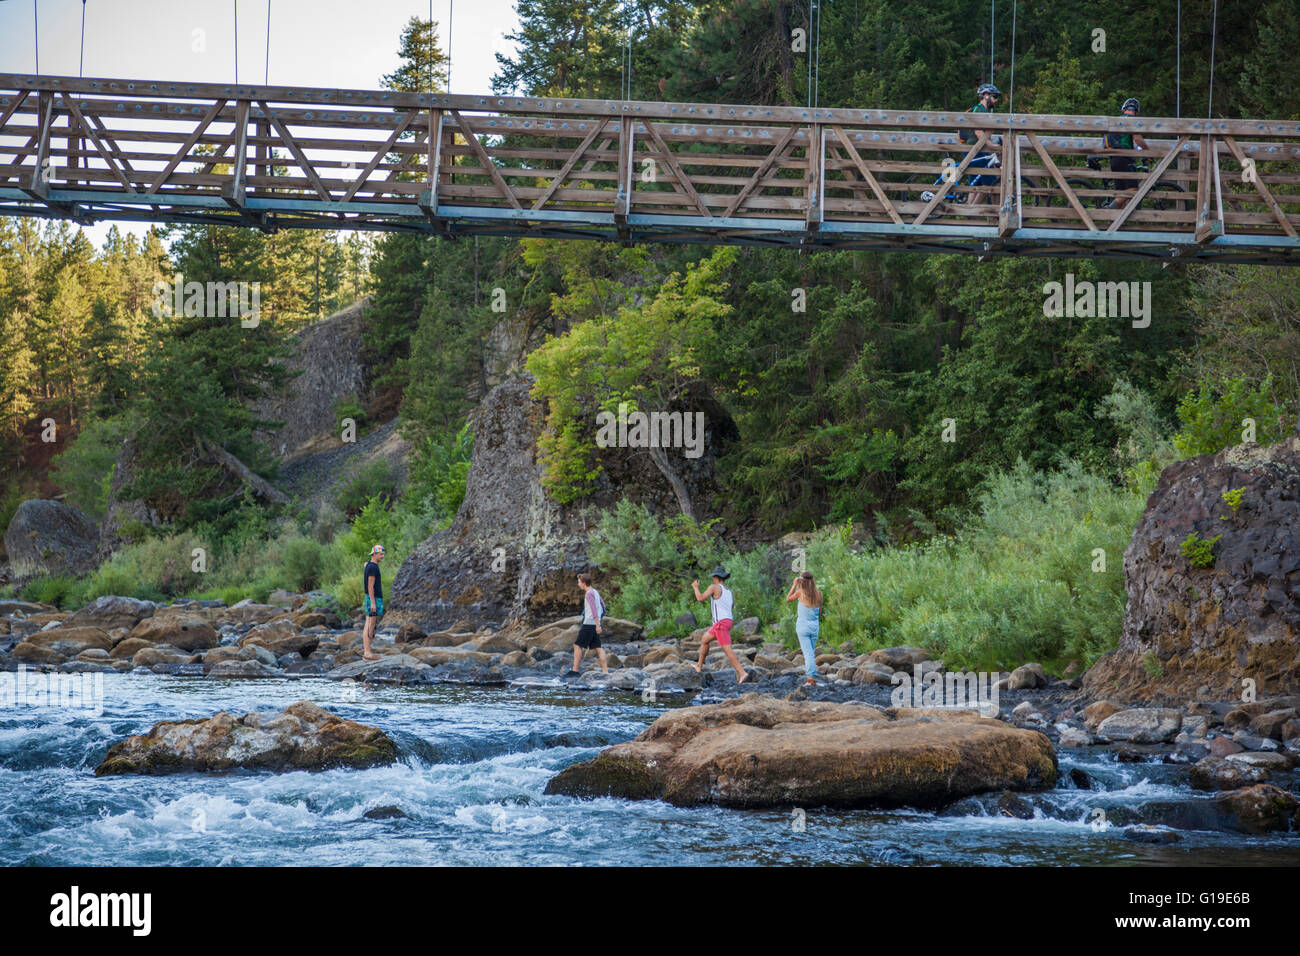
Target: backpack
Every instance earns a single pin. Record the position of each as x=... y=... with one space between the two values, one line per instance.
x=967 y=136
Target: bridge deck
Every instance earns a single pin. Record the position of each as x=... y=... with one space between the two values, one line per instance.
x=276 y=157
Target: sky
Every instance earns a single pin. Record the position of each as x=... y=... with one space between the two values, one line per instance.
x=343 y=44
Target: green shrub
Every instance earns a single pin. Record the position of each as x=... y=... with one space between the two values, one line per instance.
x=1213 y=416
x=377 y=479
x=438 y=471
x=1199 y=551
x=1233 y=498
x=302 y=564
x=1151 y=664
x=60 y=590
x=349 y=407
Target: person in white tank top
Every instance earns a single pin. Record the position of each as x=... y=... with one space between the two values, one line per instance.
x=721 y=603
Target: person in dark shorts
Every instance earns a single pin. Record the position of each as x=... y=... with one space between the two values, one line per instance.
x=1123 y=164
x=372 y=586
x=589 y=631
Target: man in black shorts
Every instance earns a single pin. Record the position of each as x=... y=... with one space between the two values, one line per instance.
x=372 y=586
x=589 y=631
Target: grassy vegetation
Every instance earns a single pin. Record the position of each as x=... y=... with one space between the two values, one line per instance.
x=1021 y=580
x=253 y=551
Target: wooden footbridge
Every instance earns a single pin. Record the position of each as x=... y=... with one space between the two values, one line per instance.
x=274 y=157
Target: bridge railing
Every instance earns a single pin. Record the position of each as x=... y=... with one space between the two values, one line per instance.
x=281 y=157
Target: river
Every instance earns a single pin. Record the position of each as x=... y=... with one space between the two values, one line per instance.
x=475 y=764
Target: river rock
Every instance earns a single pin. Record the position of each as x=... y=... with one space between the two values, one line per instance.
x=390 y=669
x=899 y=658
x=1074 y=737
x=303 y=736
x=160 y=655
x=281 y=637
x=1262 y=808
x=127 y=648
x=30 y=653
x=758 y=751
x=22 y=608
x=243 y=669
x=1150 y=833
x=435 y=656
x=113 y=611
x=1216 y=773
x=497 y=644
x=1025 y=677
x=409 y=634
x=1205 y=627
x=246 y=612
x=871 y=673
x=1271 y=723
x=50 y=537
x=187 y=633
x=1141 y=725
x=1223 y=746
x=71 y=641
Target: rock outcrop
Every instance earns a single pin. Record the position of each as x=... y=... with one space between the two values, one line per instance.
x=125 y=519
x=1208 y=629
x=49 y=537
x=512 y=552
x=325 y=361
x=758 y=751
x=301 y=737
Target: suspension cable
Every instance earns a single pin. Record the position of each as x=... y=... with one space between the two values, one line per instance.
x=451 y=11
x=235 y=3
x=266 y=81
x=993 y=25
x=36 y=29
x=817 y=57
x=1178 y=70
x=1214 y=31
x=1011 y=98
x=81 y=63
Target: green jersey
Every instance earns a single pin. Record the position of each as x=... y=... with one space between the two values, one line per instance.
x=966 y=135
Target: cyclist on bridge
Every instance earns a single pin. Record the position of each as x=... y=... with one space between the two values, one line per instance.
x=988 y=95
x=1123 y=164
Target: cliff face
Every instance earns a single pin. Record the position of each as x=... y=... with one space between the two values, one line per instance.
x=513 y=553
x=325 y=359
x=1187 y=627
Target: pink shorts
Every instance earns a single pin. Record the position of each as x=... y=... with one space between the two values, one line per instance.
x=722 y=631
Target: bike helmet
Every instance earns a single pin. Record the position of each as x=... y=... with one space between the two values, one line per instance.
x=987 y=88
x=1130 y=103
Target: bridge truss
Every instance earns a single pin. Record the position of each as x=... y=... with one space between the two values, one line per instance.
x=273 y=157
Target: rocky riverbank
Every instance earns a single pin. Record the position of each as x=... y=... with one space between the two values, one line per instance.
x=1242 y=755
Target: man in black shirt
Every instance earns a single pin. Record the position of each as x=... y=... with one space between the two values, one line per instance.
x=373 y=601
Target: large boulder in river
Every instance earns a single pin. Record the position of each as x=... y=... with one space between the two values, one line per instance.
x=187 y=633
x=301 y=737
x=759 y=751
x=1188 y=627
x=112 y=611
x=49 y=537
x=513 y=552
